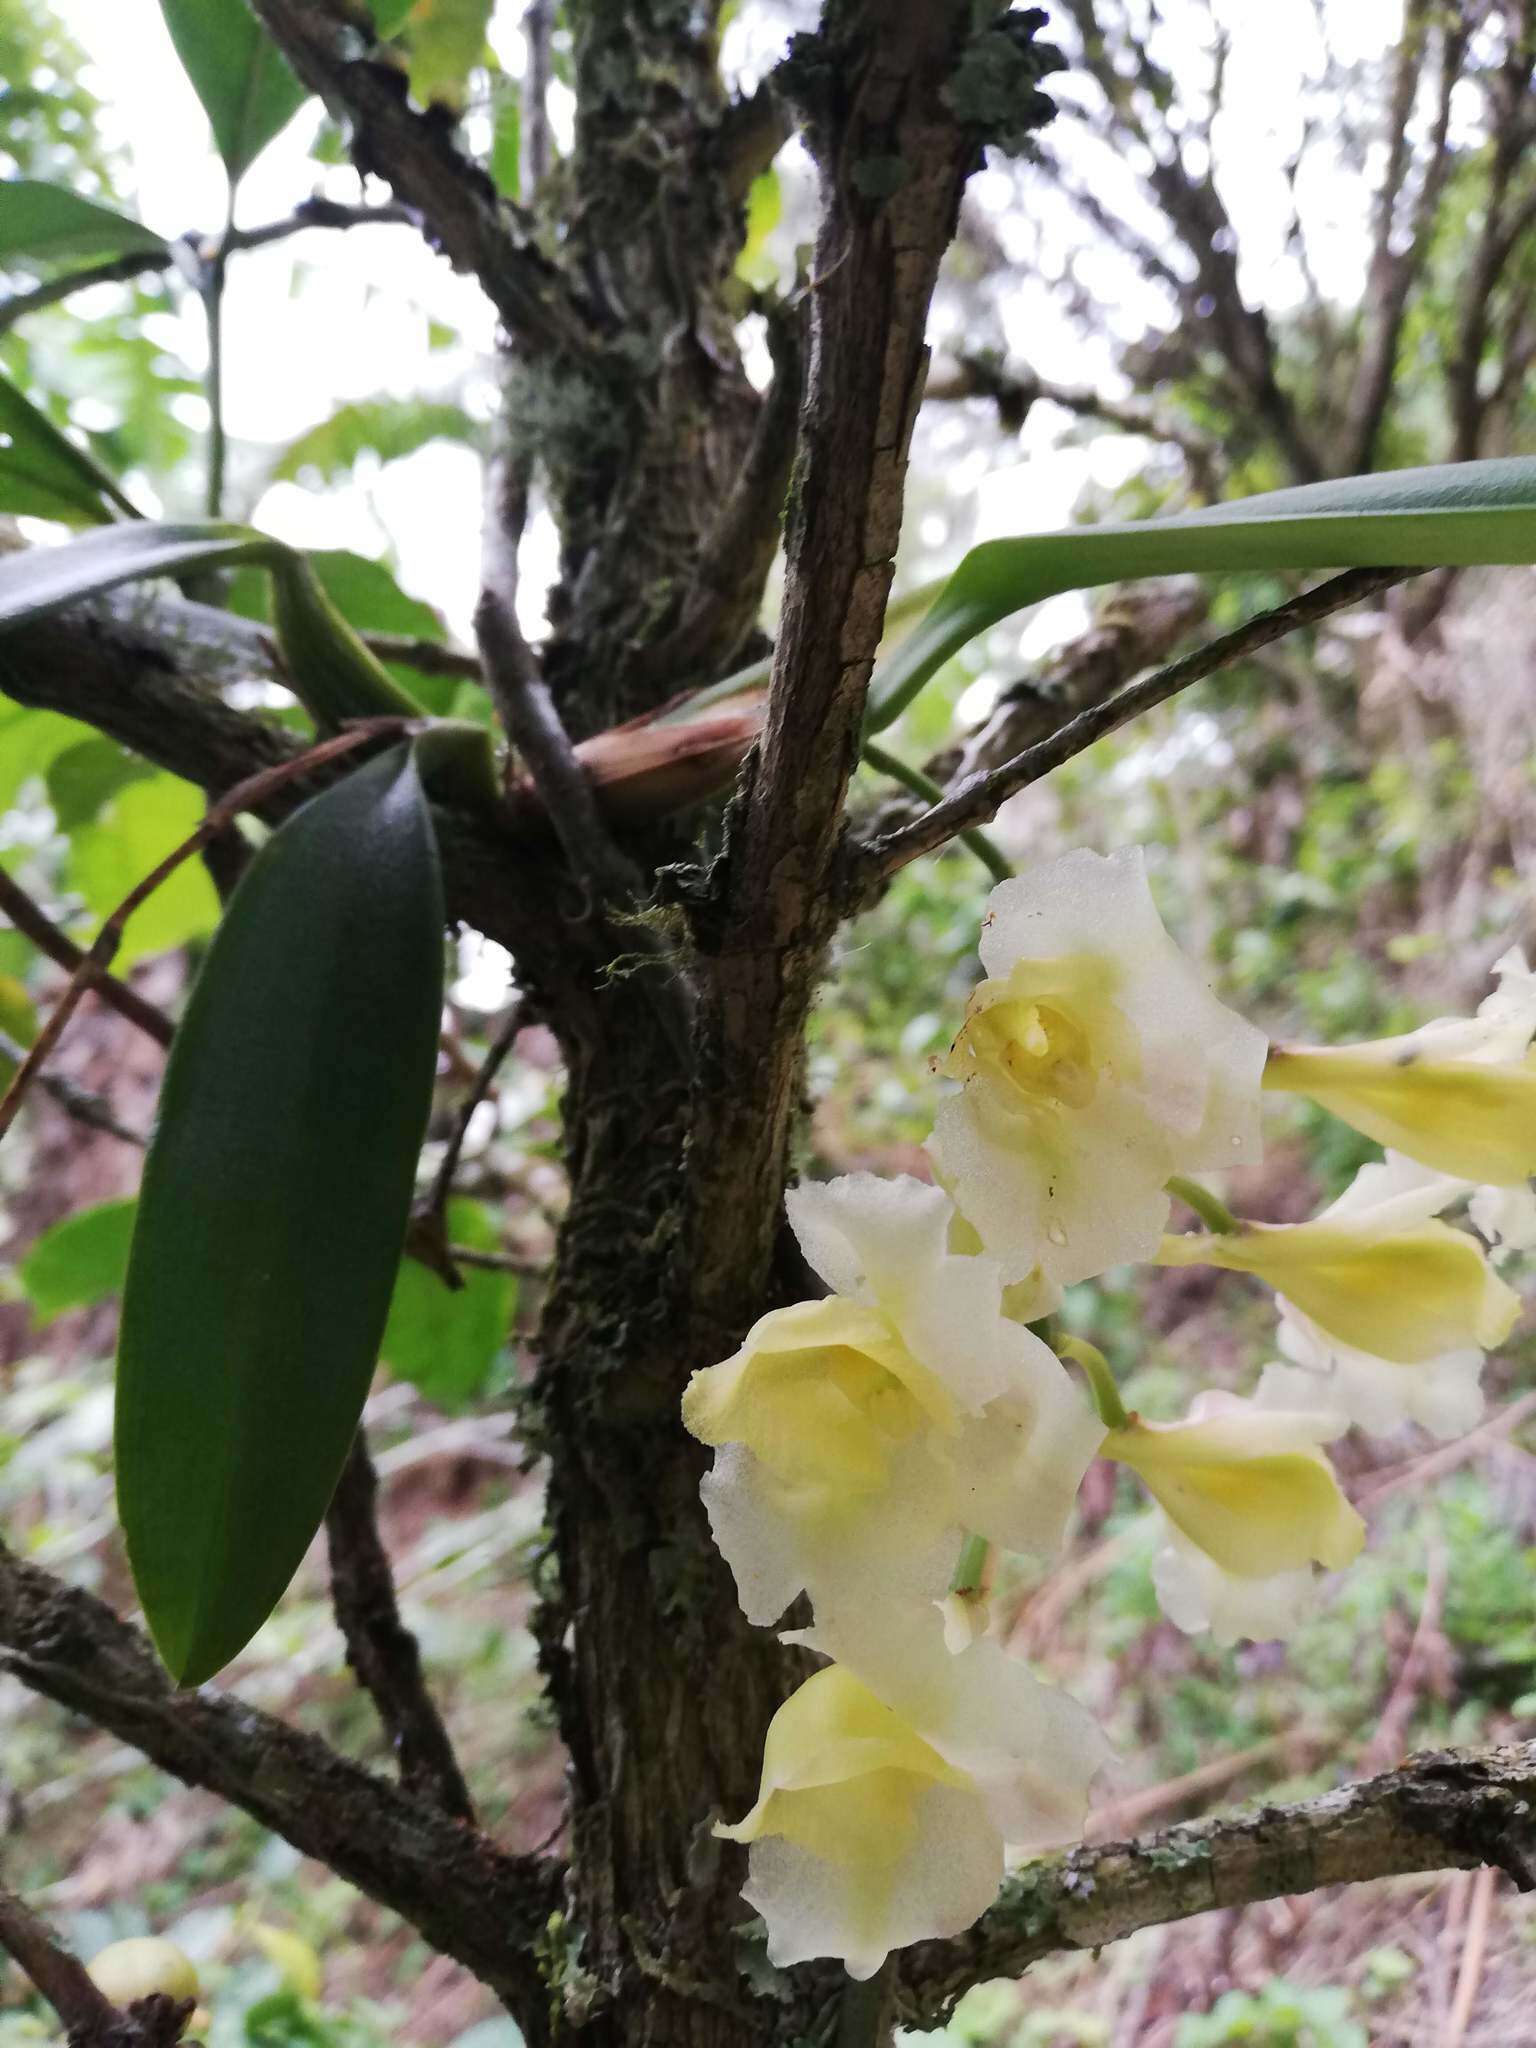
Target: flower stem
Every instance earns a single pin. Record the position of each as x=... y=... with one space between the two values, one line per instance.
x=986 y=850
x=1094 y=1367
x=971 y=1569
x=1214 y=1214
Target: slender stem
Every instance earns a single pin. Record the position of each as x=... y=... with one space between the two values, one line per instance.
x=1213 y=1212
x=34 y=924
x=980 y=796
x=212 y=290
x=310 y=213
x=1094 y=1367
x=971 y=1568
x=986 y=850
x=59 y=1976
x=82 y=1104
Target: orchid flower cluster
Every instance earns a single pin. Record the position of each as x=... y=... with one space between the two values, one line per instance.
x=876 y=1448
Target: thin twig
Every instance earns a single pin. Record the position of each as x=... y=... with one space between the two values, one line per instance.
x=497 y=1262
x=978 y=799
x=61 y=1978
x=434 y=1209
x=381 y=1650
x=1125 y=1816
x=1386 y=1741
x=36 y=925
x=522 y=696
x=430 y=657
x=1474 y=1949
x=81 y=1103
x=103 y=948
x=1417 y=1472
x=311 y=213
x=534 y=150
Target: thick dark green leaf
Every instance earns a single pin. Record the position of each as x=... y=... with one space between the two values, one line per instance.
x=273 y=1209
x=80 y=1261
x=42 y=471
x=445 y=1341
x=44 y=224
x=1452 y=515
x=386 y=427
x=248 y=91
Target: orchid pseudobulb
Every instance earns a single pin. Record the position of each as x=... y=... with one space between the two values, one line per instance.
x=859 y=1436
x=1095 y=1063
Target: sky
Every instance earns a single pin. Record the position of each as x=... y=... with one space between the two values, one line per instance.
x=359 y=326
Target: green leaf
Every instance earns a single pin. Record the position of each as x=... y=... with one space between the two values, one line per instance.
x=85 y=776
x=447 y=41
x=445 y=1341
x=143 y=823
x=765 y=205
x=42 y=471
x=79 y=1261
x=42 y=223
x=30 y=743
x=18 y=1020
x=507 y=139
x=1452 y=515
x=331 y=669
x=244 y=82
x=36 y=581
x=273 y=1208
x=386 y=427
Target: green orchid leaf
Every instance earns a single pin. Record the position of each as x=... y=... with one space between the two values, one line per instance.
x=1453 y=515
x=45 y=224
x=273 y=1208
x=248 y=90
x=42 y=472
x=332 y=670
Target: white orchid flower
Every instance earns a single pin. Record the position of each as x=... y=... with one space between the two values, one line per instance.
x=1251 y=1505
x=892 y=1781
x=1458 y=1094
x=860 y=1436
x=1095 y=1063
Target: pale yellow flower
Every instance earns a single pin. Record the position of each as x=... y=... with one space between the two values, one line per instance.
x=1094 y=1063
x=891 y=1782
x=859 y=1436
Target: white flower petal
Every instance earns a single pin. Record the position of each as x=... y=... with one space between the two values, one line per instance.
x=1196 y=1594
x=1505 y=1217
x=1443 y=1395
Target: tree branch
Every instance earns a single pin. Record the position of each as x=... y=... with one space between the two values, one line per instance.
x=452 y=196
x=877 y=255
x=36 y=926
x=59 y=1976
x=380 y=1649
x=978 y=799
x=92 y=1110
x=309 y=213
x=469 y=1898
x=1442 y=1810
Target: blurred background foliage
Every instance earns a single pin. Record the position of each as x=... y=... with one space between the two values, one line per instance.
x=1258 y=246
